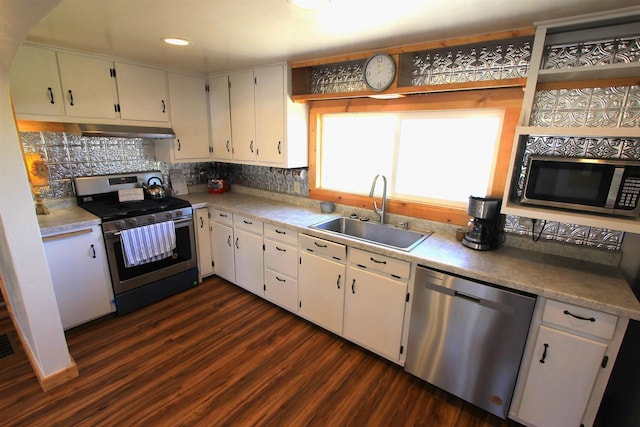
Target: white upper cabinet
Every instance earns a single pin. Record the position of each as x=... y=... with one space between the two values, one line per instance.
x=88 y=86
x=35 y=83
x=281 y=125
x=243 y=124
x=265 y=126
x=189 y=118
x=220 y=117
x=142 y=93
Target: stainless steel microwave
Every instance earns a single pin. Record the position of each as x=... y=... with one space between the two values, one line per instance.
x=605 y=186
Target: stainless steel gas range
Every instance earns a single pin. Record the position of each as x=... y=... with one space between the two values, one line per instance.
x=130 y=226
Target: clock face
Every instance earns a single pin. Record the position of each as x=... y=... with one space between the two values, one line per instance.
x=379 y=72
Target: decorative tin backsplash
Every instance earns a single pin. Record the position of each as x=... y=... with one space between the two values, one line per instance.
x=273 y=179
x=69 y=156
x=591 y=53
x=507 y=59
x=592 y=107
x=338 y=77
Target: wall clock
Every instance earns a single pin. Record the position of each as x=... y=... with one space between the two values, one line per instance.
x=379 y=72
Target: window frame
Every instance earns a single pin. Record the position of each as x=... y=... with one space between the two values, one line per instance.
x=508 y=99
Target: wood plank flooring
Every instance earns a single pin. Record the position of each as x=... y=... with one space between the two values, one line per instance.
x=217 y=355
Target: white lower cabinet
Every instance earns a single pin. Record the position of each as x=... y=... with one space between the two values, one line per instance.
x=375 y=302
x=322 y=282
x=281 y=266
x=203 y=243
x=222 y=244
x=248 y=260
x=80 y=274
x=567 y=366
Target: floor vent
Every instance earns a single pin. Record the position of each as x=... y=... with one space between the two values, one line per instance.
x=6 y=349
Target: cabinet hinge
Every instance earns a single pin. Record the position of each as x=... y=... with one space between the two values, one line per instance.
x=264 y=286
x=300 y=260
x=401 y=349
x=213 y=264
x=112 y=72
x=407 y=298
x=605 y=360
x=229 y=84
x=206 y=88
x=255 y=80
x=263 y=249
x=116 y=107
x=300 y=304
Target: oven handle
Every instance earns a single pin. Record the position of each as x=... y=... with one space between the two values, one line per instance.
x=175 y=222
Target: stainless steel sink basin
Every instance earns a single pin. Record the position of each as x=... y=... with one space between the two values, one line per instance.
x=373 y=232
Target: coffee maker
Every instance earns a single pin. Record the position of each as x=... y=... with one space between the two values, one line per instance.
x=484 y=229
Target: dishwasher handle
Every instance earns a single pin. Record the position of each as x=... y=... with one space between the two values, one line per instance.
x=494 y=305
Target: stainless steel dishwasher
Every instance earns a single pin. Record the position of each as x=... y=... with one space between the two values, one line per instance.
x=468 y=338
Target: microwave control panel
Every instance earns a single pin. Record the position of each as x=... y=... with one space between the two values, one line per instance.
x=629 y=190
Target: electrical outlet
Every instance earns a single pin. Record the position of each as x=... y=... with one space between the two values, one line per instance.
x=296 y=187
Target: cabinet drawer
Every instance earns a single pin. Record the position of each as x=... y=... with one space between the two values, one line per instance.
x=280 y=233
x=281 y=289
x=323 y=248
x=395 y=268
x=222 y=217
x=248 y=224
x=281 y=257
x=579 y=319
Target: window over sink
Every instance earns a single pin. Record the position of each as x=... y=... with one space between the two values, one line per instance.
x=436 y=150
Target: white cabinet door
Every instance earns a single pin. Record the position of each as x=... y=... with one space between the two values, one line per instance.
x=321 y=286
x=35 y=82
x=142 y=93
x=203 y=242
x=249 y=263
x=560 y=378
x=88 y=86
x=241 y=101
x=281 y=289
x=189 y=117
x=374 y=312
x=222 y=251
x=220 y=118
x=81 y=282
x=269 y=113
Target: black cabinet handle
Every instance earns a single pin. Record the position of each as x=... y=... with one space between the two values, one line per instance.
x=237 y=247
x=179 y=145
x=229 y=240
x=280 y=232
x=50 y=95
x=228 y=146
x=251 y=146
x=544 y=353
x=280 y=280
x=353 y=286
x=164 y=107
x=201 y=223
x=70 y=97
x=279 y=147
x=319 y=245
x=247 y=222
x=338 y=282
x=93 y=251
x=223 y=215
x=376 y=261
x=589 y=319
x=280 y=249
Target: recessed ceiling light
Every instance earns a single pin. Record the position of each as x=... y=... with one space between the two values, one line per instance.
x=309 y=4
x=176 y=41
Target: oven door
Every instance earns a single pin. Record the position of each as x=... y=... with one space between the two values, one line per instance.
x=125 y=279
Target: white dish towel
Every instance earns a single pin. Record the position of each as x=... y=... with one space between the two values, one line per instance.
x=148 y=243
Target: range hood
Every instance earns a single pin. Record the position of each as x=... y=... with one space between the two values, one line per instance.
x=86 y=129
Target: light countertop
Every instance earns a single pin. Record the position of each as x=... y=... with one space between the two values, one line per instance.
x=585 y=284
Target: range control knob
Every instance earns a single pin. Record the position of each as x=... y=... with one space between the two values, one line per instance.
x=151 y=218
x=120 y=225
x=167 y=215
x=178 y=213
x=131 y=222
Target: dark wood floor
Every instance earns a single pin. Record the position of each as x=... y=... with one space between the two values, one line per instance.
x=217 y=355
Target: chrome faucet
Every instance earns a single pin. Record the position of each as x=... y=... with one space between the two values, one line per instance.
x=379 y=211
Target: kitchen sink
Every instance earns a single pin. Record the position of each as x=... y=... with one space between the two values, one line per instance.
x=373 y=232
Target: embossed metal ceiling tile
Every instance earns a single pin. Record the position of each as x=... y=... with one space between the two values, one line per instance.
x=597 y=53
x=628 y=51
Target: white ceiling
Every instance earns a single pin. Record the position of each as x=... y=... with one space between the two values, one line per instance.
x=232 y=34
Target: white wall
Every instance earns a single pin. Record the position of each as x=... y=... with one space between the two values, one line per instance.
x=23 y=263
